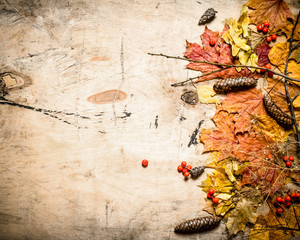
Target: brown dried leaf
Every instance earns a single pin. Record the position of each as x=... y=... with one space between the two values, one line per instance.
x=276 y=12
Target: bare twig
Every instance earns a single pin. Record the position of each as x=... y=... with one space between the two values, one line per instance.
x=224 y=65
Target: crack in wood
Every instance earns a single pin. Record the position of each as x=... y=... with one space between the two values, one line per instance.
x=193 y=139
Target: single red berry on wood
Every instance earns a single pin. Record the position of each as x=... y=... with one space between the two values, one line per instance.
x=274 y=37
x=215 y=200
x=179 y=168
x=212 y=42
x=269 y=39
x=279 y=210
x=189 y=167
x=265 y=30
x=288 y=164
x=183 y=163
x=288 y=198
x=291 y=158
x=145 y=163
x=184 y=171
x=186 y=174
x=259 y=27
x=266 y=24
x=211 y=191
x=209 y=196
x=285 y=158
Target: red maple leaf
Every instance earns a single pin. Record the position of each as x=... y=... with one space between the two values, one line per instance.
x=219 y=53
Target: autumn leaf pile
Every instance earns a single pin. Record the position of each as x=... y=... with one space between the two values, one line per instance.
x=244 y=177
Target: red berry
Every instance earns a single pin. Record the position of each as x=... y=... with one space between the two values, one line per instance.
x=270 y=74
x=265 y=30
x=270 y=156
x=189 y=167
x=179 y=168
x=268 y=66
x=298 y=195
x=212 y=42
x=184 y=171
x=282 y=200
x=288 y=164
x=259 y=27
x=262 y=70
x=269 y=39
x=209 y=196
x=215 y=200
x=186 y=174
x=266 y=24
x=291 y=158
x=279 y=199
x=285 y=158
x=211 y=191
x=274 y=37
x=288 y=204
x=145 y=163
x=293 y=194
x=279 y=210
x=288 y=198
x=183 y=163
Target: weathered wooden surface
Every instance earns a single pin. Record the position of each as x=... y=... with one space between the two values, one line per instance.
x=71 y=169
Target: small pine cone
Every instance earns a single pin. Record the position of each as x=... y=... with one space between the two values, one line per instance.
x=208 y=16
x=196 y=171
x=198 y=224
x=275 y=112
x=234 y=84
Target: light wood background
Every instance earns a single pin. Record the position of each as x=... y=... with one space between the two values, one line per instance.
x=71 y=169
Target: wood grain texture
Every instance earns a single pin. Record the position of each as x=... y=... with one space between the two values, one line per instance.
x=70 y=169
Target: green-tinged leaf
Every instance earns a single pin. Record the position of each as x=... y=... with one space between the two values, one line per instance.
x=224 y=196
x=229 y=171
x=243 y=213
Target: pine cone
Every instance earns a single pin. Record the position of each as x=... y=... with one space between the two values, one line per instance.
x=275 y=112
x=234 y=84
x=197 y=224
x=207 y=16
x=196 y=171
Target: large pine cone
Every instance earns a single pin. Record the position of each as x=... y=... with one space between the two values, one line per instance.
x=234 y=84
x=207 y=16
x=275 y=112
x=196 y=171
x=197 y=224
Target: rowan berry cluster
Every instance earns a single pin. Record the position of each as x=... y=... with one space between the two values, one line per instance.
x=282 y=203
x=184 y=168
x=288 y=160
x=265 y=28
x=210 y=195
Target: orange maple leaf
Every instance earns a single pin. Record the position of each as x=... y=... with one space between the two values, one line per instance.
x=276 y=12
x=246 y=146
x=219 y=53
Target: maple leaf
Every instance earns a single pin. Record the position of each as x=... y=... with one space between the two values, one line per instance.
x=244 y=147
x=219 y=53
x=278 y=57
x=263 y=50
x=276 y=12
x=243 y=213
x=250 y=101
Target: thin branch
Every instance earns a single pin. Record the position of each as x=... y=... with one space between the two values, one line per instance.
x=190 y=79
x=286 y=84
x=222 y=64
